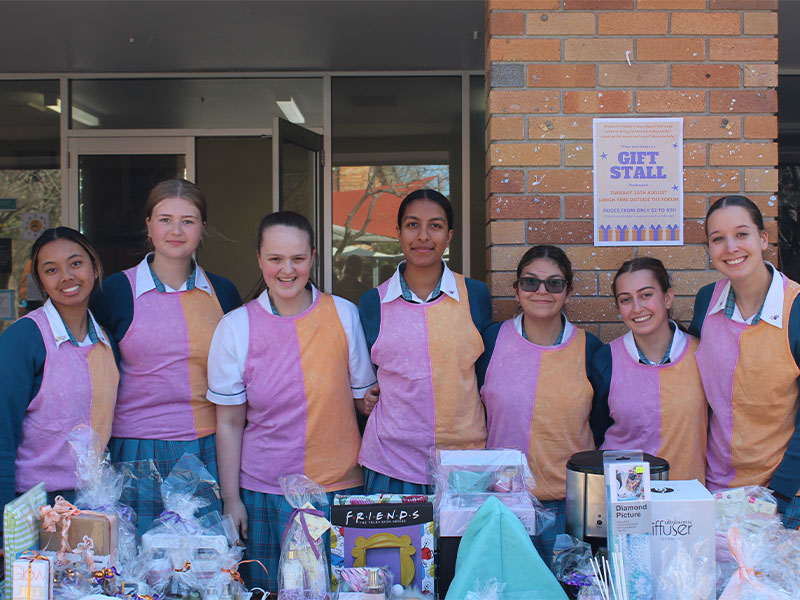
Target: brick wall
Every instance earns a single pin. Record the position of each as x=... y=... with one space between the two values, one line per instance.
x=553 y=65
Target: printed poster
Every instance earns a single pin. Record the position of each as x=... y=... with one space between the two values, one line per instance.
x=638 y=182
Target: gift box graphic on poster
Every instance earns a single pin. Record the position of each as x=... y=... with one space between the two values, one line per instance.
x=384 y=530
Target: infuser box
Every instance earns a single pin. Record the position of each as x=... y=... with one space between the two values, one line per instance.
x=682 y=512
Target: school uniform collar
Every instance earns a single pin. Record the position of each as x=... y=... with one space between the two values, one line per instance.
x=447 y=285
x=266 y=302
x=566 y=330
x=679 y=341
x=61 y=334
x=770 y=312
x=145 y=279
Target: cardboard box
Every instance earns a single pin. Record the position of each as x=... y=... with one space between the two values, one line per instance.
x=384 y=530
x=39 y=570
x=682 y=512
x=102 y=528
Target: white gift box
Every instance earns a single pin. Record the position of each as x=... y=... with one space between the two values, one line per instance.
x=40 y=572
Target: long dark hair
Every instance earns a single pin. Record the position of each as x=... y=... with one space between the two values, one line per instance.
x=554 y=253
x=425 y=194
x=644 y=263
x=63 y=233
x=741 y=201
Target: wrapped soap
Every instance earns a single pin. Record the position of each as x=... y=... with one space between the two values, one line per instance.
x=32 y=578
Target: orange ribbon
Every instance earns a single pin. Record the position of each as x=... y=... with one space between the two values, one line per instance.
x=186 y=566
x=234 y=571
x=61 y=512
x=744 y=573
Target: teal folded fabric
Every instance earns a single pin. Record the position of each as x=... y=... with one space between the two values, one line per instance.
x=496 y=546
x=461 y=482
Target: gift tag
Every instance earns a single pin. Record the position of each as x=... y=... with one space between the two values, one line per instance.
x=756 y=505
x=730 y=502
x=317 y=526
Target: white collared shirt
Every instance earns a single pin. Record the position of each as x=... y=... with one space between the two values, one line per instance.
x=227 y=356
x=679 y=341
x=447 y=286
x=772 y=310
x=145 y=283
x=568 y=327
x=59 y=329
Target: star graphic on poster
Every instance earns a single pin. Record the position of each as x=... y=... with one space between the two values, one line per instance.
x=675 y=188
x=604 y=155
x=675 y=145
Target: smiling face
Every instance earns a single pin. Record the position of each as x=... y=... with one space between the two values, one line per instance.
x=735 y=244
x=66 y=273
x=175 y=228
x=424 y=233
x=285 y=258
x=542 y=305
x=642 y=303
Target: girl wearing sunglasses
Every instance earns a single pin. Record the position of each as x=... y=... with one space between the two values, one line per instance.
x=537 y=392
x=650 y=395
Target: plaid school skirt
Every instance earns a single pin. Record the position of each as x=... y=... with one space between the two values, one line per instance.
x=546 y=539
x=378 y=483
x=144 y=495
x=267 y=518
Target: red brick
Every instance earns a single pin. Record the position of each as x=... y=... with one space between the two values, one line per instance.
x=694 y=232
x=761 y=75
x=505 y=232
x=501 y=283
x=505 y=181
x=743 y=4
x=552 y=24
x=712 y=127
x=503 y=49
x=560 y=180
x=694 y=155
x=688 y=283
x=761 y=23
x=504 y=308
x=761 y=127
x=584 y=283
x=510 y=102
x=705 y=23
x=525 y=154
x=739 y=101
x=506 y=128
x=705 y=76
x=669 y=49
x=633 y=23
x=523 y=207
x=560 y=128
x=578 y=155
x=554 y=76
x=560 y=232
x=671 y=4
x=598 y=4
x=694 y=206
x=743 y=154
x=578 y=207
x=592 y=50
x=506 y=257
x=609 y=331
x=740 y=49
x=636 y=75
x=669 y=101
x=610 y=101
x=678 y=257
x=760 y=180
x=591 y=309
x=505 y=23
x=599 y=258
x=523 y=4
x=711 y=180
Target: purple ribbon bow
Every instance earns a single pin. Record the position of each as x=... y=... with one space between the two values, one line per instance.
x=168 y=515
x=302 y=512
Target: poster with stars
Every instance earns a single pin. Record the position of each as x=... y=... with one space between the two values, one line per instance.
x=638 y=182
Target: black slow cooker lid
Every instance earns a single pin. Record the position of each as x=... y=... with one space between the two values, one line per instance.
x=591 y=461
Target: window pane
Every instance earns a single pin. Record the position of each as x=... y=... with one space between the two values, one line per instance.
x=391 y=135
x=191 y=103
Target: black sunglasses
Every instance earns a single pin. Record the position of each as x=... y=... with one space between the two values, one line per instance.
x=531 y=284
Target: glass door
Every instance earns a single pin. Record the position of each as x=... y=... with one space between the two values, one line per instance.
x=109 y=180
x=297 y=161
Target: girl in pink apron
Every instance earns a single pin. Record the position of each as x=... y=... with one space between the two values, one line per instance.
x=163 y=312
x=749 y=325
x=58 y=369
x=537 y=392
x=286 y=372
x=648 y=384
x=423 y=327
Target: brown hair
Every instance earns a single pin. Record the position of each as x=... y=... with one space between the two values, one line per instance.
x=741 y=201
x=554 y=253
x=644 y=263
x=177 y=188
x=63 y=233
